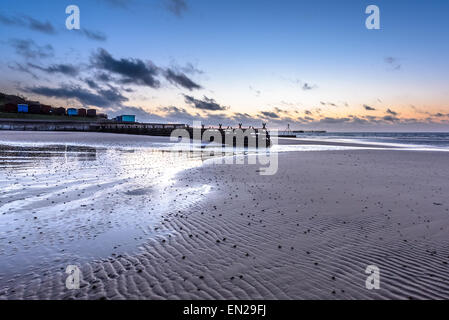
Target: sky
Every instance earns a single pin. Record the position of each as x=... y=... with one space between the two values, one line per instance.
x=311 y=64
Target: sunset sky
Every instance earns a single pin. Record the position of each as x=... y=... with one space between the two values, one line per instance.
x=312 y=64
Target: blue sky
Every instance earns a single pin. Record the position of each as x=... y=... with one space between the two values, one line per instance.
x=312 y=64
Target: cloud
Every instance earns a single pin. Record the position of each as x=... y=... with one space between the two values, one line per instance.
x=269 y=114
x=103 y=77
x=112 y=94
x=440 y=115
x=256 y=92
x=358 y=120
x=138 y=72
x=132 y=71
x=141 y=114
x=189 y=68
x=180 y=79
x=178 y=114
x=30 y=50
x=394 y=113
x=19 y=67
x=66 y=69
x=306 y=86
x=118 y=3
x=7 y=20
x=177 y=7
x=93 y=35
x=390 y=118
x=368 y=108
x=92 y=84
x=279 y=110
x=205 y=104
x=44 y=27
x=103 y=98
x=328 y=104
x=334 y=120
x=29 y=23
x=308 y=112
x=393 y=62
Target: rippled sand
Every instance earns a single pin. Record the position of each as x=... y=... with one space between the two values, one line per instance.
x=216 y=231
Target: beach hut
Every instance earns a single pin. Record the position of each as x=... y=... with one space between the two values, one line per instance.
x=22 y=108
x=59 y=111
x=11 y=108
x=72 y=112
x=45 y=109
x=34 y=108
x=91 y=113
x=82 y=112
x=126 y=118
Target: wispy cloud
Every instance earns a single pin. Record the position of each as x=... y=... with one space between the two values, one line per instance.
x=21 y=68
x=393 y=63
x=393 y=113
x=29 y=23
x=269 y=114
x=306 y=86
x=66 y=69
x=103 y=98
x=180 y=79
x=177 y=7
x=93 y=35
x=131 y=71
x=204 y=104
x=118 y=3
x=138 y=72
x=29 y=49
x=390 y=118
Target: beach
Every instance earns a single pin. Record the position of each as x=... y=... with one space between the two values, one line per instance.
x=224 y=231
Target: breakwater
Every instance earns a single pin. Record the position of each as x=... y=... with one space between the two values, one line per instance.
x=242 y=136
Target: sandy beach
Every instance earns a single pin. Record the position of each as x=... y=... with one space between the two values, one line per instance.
x=307 y=232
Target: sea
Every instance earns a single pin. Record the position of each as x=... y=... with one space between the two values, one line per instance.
x=414 y=140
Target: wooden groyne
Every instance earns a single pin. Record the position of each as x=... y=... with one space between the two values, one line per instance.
x=247 y=137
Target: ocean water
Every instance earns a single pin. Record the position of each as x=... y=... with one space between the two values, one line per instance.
x=420 y=140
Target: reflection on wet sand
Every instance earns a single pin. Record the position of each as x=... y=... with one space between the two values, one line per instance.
x=22 y=155
x=66 y=204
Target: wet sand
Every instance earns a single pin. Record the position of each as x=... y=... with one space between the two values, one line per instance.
x=321 y=142
x=307 y=232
